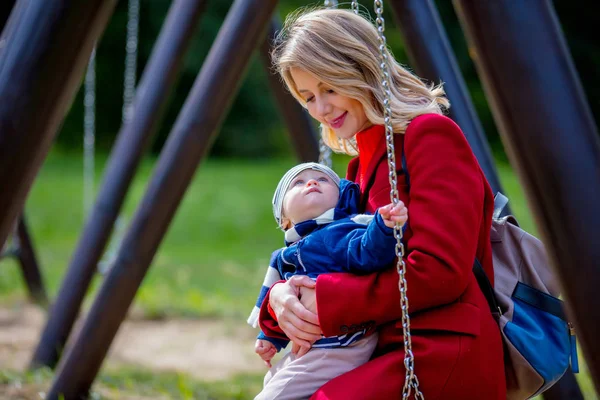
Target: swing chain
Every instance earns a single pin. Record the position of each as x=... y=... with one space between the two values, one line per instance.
x=131 y=47
x=324 y=150
x=89 y=133
x=355 y=7
x=324 y=154
x=410 y=382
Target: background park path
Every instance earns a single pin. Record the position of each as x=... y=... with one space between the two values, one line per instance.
x=205 y=349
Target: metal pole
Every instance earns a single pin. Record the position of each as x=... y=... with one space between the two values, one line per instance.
x=5 y=9
x=548 y=129
x=132 y=141
x=44 y=49
x=29 y=265
x=299 y=124
x=188 y=142
x=430 y=52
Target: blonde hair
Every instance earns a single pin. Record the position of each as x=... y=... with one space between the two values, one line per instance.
x=342 y=50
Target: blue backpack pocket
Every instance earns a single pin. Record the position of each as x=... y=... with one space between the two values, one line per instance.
x=539 y=331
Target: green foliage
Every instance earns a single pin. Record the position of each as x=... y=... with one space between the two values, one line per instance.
x=253 y=125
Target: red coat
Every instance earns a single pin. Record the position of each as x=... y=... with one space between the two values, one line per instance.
x=456 y=342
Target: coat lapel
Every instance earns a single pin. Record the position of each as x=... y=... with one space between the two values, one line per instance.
x=369 y=177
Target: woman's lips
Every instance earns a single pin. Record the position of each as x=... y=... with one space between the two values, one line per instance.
x=339 y=121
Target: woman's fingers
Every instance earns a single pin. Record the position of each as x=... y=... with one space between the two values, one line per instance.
x=297 y=329
x=306 y=320
x=295 y=348
x=302 y=351
x=308 y=298
x=302 y=281
x=299 y=324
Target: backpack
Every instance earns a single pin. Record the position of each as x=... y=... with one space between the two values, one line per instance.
x=539 y=342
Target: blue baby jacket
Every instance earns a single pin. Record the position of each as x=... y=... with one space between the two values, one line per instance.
x=340 y=240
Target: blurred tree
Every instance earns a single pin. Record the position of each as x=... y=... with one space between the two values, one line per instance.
x=253 y=126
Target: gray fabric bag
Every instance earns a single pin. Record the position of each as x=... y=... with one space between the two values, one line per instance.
x=539 y=342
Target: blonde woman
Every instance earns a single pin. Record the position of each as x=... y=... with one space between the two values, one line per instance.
x=329 y=59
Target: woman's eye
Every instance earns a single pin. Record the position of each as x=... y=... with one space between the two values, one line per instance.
x=330 y=91
x=311 y=98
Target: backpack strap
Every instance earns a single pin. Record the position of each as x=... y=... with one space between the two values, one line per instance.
x=482 y=279
x=405 y=167
x=486 y=287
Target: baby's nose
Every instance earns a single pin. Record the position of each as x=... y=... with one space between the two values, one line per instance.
x=312 y=182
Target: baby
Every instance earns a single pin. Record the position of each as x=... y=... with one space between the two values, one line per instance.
x=323 y=234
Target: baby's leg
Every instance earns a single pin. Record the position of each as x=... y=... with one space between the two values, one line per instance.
x=298 y=378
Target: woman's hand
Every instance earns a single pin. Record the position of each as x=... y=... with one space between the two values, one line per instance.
x=300 y=325
x=308 y=298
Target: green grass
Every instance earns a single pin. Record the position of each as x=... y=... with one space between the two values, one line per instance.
x=210 y=263
x=212 y=259
x=124 y=383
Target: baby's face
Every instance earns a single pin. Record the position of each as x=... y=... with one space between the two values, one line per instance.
x=310 y=194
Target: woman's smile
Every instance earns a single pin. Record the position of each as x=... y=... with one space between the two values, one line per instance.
x=339 y=121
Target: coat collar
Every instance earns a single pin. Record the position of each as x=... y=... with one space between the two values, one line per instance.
x=376 y=132
x=374 y=138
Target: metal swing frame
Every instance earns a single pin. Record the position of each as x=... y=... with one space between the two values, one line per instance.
x=55 y=63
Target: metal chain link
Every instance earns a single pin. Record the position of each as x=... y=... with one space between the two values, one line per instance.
x=410 y=382
x=355 y=7
x=324 y=150
x=89 y=133
x=131 y=48
x=129 y=80
x=324 y=154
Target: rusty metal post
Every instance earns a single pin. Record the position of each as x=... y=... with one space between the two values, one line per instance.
x=298 y=122
x=131 y=144
x=551 y=138
x=44 y=50
x=190 y=139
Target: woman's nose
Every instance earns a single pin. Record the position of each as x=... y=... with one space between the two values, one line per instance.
x=323 y=108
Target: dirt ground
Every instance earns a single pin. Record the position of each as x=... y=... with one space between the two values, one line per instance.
x=205 y=349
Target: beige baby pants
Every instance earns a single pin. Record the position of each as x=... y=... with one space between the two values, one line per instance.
x=295 y=378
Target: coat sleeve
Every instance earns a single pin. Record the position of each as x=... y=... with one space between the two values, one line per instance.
x=445 y=213
x=364 y=250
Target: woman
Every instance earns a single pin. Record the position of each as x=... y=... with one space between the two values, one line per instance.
x=329 y=59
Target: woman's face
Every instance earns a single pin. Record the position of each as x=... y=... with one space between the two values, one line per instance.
x=344 y=115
